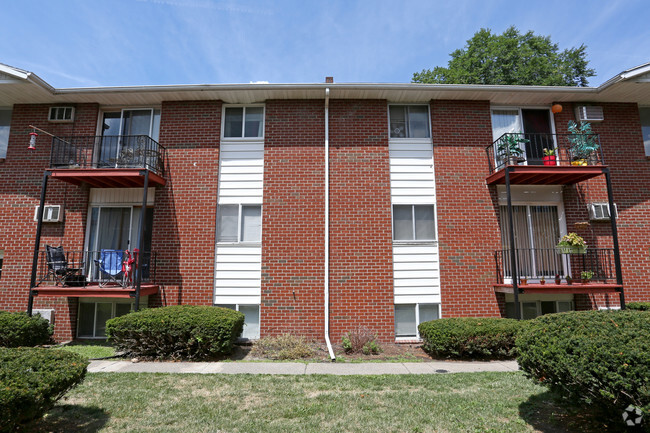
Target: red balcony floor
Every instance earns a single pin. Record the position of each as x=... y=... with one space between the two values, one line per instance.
x=575 y=288
x=94 y=291
x=107 y=177
x=545 y=174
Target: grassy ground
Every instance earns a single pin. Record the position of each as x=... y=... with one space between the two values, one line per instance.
x=90 y=349
x=478 y=402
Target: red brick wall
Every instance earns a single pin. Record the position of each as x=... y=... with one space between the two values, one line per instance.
x=293 y=235
x=185 y=208
x=21 y=176
x=468 y=224
x=361 y=277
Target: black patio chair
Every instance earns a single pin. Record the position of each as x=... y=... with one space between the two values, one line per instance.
x=60 y=270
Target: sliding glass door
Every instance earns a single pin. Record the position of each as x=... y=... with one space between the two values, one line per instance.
x=533 y=126
x=121 y=132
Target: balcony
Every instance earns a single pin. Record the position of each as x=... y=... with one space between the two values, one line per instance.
x=116 y=161
x=536 y=264
x=576 y=158
x=84 y=277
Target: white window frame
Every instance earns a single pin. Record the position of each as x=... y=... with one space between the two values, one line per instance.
x=4 y=147
x=239 y=224
x=417 y=320
x=154 y=129
x=96 y=301
x=414 y=241
x=236 y=308
x=53 y=116
x=243 y=131
x=410 y=139
x=538 y=303
x=645 y=129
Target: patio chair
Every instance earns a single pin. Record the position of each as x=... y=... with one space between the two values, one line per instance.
x=110 y=267
x=59 y=269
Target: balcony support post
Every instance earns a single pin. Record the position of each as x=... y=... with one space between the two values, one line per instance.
x=613 y=215
x=143 y=215
x=37 y=243
x=513 y=252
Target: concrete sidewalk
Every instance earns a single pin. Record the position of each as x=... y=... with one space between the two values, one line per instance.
x=340 y=369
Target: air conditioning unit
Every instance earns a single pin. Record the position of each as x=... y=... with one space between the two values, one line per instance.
x=589 y=113
x=600 y=212
x=51 y=214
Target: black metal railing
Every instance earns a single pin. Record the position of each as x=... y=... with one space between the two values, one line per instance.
x=82 y=268
x=544 y=150
x=113 y=151
x=538 y=263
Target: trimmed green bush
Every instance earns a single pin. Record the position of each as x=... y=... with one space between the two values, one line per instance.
x=601 y=358
x=18 y=329
x=177 y=332
x=638 y=306
x=471 y=337
x=32 y=380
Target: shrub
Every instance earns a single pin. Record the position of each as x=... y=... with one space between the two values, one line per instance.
x=361 y=339
x=639 y=306
x=598 y=357
x=18 y=329
x=176 y=332
x=32 y=380
x=286 y=346
x=471 y=337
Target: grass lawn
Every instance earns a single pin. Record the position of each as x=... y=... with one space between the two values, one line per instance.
x=90 y=349
x=188 y=403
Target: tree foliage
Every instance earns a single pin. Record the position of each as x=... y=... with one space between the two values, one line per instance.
x=511 y=58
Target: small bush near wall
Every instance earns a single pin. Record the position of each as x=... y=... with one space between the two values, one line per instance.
x=639 y=306
x=32 y=380
x=285 y=346
x=601 y=358
x=361 y=340
x=18 y=329
x=471 y=337
x=177 y=332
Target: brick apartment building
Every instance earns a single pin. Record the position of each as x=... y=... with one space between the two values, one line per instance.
x=314 y=208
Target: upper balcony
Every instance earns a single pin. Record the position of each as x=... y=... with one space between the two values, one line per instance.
x=115 y=161
x=544 y=159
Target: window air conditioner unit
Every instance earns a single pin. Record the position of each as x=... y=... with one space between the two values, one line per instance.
x=589 y=113
x=600 y=212
x=51 y=214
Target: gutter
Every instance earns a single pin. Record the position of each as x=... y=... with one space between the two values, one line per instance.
x=327 y=226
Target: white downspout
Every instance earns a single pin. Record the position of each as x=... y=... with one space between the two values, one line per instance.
x=327 y=225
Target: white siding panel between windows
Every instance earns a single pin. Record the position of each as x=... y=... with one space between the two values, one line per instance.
x=125 y=196
x=416 y=273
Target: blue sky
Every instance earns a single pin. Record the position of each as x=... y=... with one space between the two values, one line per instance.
x=85 y=43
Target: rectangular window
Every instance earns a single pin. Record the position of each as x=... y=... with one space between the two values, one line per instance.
x=532 y=309
x=244 y=122
x=2 y=257
x=239 y=223
x=61 y=114
x=413 y=223
x=251 y=319
x=5 y=124
x=409 y=316
x=409 y=121
x=91 y=322
x=645 y=128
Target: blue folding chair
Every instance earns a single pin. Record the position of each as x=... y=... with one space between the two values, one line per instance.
x=110 y=267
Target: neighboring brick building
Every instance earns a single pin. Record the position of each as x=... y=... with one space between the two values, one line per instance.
x=315 y=208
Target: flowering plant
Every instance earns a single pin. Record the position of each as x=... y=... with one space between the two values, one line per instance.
x=572 y=240
x=549 y=152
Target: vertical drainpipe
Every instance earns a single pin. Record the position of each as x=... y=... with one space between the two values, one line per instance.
x=327 y=225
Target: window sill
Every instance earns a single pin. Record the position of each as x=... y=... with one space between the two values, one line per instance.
x=432 y=243
x=239 y=244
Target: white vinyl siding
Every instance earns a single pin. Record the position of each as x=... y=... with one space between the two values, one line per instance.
x=241 y=173
x=416 y=271
x=238 y=274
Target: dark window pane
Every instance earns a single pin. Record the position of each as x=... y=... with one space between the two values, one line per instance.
x=234 y=120
x=402 y=223
x=424 y=223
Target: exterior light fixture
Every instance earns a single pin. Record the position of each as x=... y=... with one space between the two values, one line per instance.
x=556 y=108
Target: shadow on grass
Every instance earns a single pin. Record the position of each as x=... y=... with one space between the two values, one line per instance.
x=69 y=418
x=549 y=413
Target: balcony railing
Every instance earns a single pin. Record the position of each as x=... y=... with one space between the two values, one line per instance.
x=114 y=151
x=83 y=269
x=538 y=263
x=531 y=149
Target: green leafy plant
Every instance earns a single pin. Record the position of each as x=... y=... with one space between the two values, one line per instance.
x=549 y=152
x=583 y=141
x=361 y=339
x=587 y=275
x=32 y=380
x=601 y=358
x=18 y=329
x=509 y=145
x=572 y=240
x=176 y=332
x=471 y=337
x=285 y=346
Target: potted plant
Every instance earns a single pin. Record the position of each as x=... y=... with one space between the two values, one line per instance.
x=509 y=148
x=558 y=280
x=571 y=244
x=542 y=281
x=583 y=143
x=523 y=281
x=586 y=276
x=569 y=280
x=549 y=157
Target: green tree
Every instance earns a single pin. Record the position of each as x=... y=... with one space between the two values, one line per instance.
x=511 y=58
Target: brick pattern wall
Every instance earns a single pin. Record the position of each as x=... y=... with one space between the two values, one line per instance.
x=361 y=278
x=21 y=175
x=185 y=208
x=468 y=221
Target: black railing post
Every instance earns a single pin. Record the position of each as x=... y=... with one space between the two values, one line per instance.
x=513 y=253
x=143 y=214
x=613 y=215
x=37 y=243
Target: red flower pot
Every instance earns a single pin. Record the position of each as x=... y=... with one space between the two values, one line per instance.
x=549 y=160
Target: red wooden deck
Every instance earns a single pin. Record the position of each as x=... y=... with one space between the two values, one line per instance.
x=94 y=291
x=545 y=174
x=575 y=288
